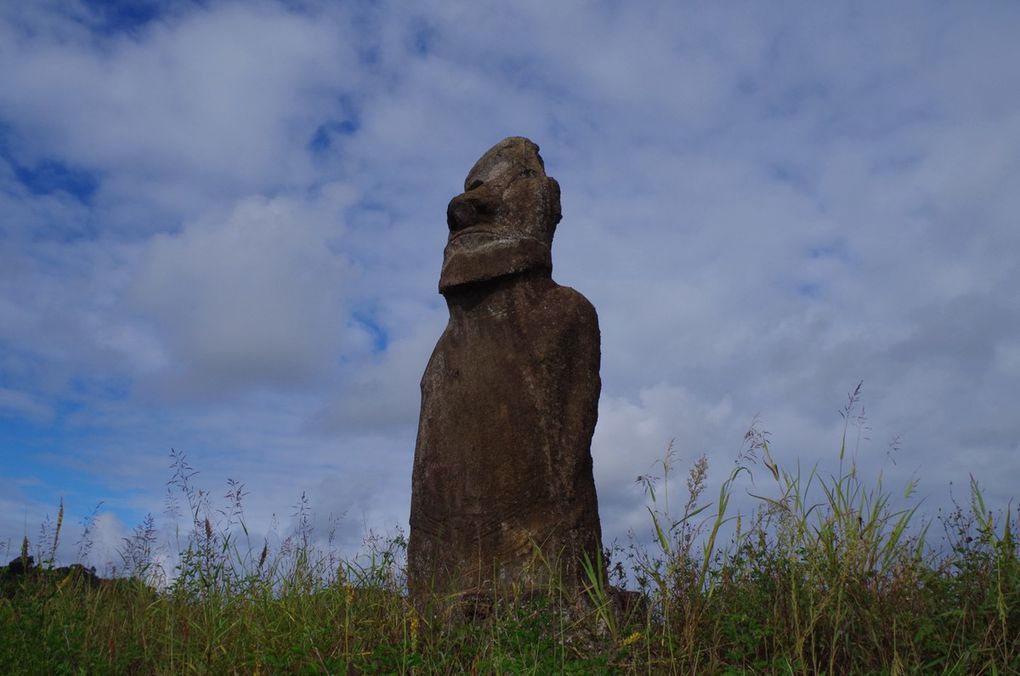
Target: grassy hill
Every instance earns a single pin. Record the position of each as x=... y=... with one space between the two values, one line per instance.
x=844 y=584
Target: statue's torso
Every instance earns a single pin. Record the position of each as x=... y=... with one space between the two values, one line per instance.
x=509 y=403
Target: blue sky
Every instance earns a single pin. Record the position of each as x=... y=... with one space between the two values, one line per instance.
x=221 y=226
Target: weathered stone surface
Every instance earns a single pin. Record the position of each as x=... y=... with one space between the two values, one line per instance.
x=509 y=398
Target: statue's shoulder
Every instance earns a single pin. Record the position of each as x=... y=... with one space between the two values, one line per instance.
x=571 y=303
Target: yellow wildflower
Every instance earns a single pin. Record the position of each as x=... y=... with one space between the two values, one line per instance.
x=414 y=628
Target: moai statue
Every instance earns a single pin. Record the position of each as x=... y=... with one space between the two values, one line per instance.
x=502 y=465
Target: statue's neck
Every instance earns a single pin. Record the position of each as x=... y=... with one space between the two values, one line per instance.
x=502 y=296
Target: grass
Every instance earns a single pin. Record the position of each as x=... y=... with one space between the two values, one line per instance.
x=826 y=576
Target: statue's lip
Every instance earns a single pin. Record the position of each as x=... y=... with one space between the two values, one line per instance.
x=472 y=230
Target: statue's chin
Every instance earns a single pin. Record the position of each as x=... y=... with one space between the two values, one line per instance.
x=479 y=257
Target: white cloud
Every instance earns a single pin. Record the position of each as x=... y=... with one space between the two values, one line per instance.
x=17 y=403
x=211 y=102
x=253 y=299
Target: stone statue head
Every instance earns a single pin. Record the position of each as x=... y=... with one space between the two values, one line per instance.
x=503 y=222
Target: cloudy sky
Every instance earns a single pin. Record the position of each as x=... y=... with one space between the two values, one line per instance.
x=221 y=226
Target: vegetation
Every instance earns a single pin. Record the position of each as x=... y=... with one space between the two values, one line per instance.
x=845 y=582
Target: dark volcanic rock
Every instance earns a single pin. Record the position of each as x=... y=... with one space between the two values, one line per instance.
x=503 y=464
x=23 y=569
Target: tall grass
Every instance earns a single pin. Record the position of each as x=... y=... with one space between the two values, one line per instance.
x=827 y=575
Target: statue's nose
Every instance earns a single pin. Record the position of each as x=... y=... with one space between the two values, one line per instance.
x=467 y=209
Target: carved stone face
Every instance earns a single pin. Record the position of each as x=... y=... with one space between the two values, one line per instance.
x=503 y=223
